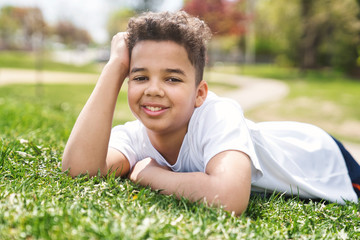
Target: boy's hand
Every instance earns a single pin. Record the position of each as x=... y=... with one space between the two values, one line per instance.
x=142 y=168
x=119 y=50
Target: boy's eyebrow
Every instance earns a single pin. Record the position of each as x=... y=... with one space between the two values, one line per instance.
x=136 y=69
x=175 y=70
x=168 y=70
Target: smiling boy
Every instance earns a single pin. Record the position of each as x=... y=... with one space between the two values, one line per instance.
x=187 y=141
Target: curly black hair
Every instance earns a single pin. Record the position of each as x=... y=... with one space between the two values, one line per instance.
x=188 y=31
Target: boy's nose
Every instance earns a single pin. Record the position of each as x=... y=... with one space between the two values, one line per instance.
x=154 y=88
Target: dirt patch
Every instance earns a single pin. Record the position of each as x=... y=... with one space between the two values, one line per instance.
x=348 y=128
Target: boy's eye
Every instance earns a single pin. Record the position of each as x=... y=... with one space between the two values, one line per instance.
x=172 y=79
x=140 y=78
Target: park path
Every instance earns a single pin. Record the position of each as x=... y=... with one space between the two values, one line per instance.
x=251 y=93
x=10 y=76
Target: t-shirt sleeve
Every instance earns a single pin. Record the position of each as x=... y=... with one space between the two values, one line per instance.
x=122 y=138
x=222 y=127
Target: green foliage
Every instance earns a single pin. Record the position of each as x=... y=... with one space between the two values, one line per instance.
x=7 y=25
x=39 y=201
x=321 y=36
x=118 y=21
x=278 y=28
x=227 y=44
x=119 y=18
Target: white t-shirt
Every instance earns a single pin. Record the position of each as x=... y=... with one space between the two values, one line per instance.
x=289 y=157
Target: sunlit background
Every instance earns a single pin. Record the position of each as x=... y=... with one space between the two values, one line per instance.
x=305 y=34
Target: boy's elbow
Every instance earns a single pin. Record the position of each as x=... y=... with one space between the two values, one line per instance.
x=69 y=167
x=75 y=166
x=235 y=200
x=66 y=167
x=72 y=172
x=236 y=207
x=64 y=163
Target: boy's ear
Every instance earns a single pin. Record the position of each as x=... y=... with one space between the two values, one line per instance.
x=201 y=93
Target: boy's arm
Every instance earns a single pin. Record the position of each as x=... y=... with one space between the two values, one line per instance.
x=226 y=182
x=87 y=148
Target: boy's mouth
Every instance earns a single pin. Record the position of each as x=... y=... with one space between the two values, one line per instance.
x=154 y=109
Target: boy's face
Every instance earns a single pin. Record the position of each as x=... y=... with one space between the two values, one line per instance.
x=162 y=92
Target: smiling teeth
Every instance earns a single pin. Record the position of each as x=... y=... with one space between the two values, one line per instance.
x=153 y=109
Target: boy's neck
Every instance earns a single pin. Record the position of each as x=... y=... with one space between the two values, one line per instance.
x=168 y=145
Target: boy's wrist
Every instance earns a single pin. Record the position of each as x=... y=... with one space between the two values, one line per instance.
x=119 y=62
x=116 y=64
x=145 y=169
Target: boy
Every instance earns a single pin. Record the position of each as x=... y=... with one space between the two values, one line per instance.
x=189 y=142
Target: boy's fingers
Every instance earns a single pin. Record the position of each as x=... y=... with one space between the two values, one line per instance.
x=118 y=44
x=123 y=35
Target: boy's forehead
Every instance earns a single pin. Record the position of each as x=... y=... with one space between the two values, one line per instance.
x=157 y=43
x=156 y=48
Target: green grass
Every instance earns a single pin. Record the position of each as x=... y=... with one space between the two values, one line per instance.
x=29 y=60
x=265 y=71
x=38 y=201
x=325 y=98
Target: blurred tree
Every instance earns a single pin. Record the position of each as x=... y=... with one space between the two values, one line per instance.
x=310 y=38
x=8 y=28
x=20 y=26
x=25 y=28
x=224 y=17
x=118 y=21
x=228 y=22
x=146 y=5
x=307 y=34
x=278 y=30
x=33 y=25
x=71 y=35
x=339 y=47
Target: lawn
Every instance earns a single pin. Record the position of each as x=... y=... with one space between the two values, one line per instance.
x=38 y=201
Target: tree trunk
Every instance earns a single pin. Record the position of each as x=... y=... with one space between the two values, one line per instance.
x=310 y=39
